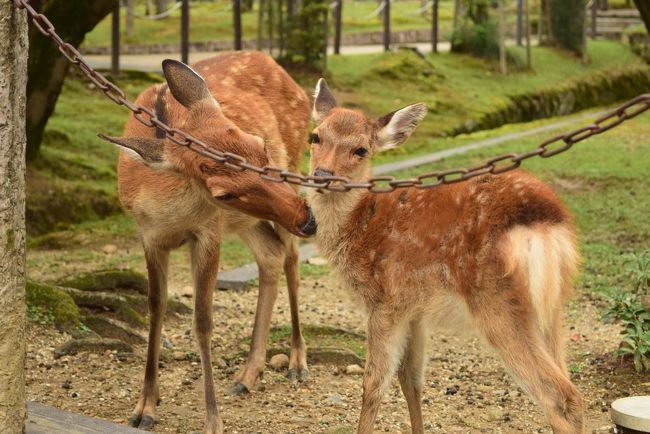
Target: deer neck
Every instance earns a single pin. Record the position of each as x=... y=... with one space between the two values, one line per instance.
x=332 y=211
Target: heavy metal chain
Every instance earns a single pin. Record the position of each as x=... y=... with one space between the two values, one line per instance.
x=381 y=184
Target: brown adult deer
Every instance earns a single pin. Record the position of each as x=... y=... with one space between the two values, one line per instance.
x=248 y=105
x=494 y=255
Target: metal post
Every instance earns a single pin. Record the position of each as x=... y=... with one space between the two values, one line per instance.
x=594 y=17
x=236 y=15
x=185 y=31
x=434 y=26
x=338 y=10
x=520 y=22
x=13 y=70
x=386 y=25
x=115 y=41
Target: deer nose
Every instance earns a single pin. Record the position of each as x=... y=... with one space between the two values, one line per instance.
x=321 y=172
x=309 y=228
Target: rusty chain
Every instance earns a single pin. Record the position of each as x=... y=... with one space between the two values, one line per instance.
x=381 y=184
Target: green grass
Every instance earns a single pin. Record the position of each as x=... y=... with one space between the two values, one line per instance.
x=457 y=88
x=213 y=21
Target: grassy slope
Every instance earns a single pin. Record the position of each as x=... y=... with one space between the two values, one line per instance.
x=213 y=21
x=458 y=87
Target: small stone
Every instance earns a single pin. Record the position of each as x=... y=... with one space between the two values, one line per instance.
x=67 y=384
x=220 y=363
x=335 y=399
x=167 y=344
x=179 y=355
x=354 y=370
x=452 y=390
x=186 y=291
x=186 y=382
x=494 y=414
x=279 y=361
x=109 y=249
x=317 y=260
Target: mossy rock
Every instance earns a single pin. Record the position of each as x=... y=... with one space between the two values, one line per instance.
x=406 y=65
x=62 y=308
x=103 y=280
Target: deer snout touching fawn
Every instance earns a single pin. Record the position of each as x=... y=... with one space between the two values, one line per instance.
x=247 y=105
x=495 y=255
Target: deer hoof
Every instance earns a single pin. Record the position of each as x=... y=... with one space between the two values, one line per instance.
x=303 y=375
x=292 y=375
x=146 y=423
x=240 y=390
x=134 y=420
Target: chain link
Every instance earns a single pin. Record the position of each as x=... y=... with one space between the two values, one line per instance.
x=383 y=184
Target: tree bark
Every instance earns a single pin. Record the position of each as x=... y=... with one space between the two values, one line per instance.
x=644 y=8
x=13 y=73
x=503 y=64
x=130 y=5
x=568 y=20
x=162 y=6
x=47 y=66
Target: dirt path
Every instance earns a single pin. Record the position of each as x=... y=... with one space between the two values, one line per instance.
x=466 y=390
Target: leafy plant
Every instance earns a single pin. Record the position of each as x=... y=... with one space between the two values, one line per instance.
x=628 y=307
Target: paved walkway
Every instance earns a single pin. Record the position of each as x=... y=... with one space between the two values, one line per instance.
x=152 y=62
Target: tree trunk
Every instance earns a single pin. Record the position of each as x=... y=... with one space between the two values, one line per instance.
x=130 y=4
x=162 y=6
x=47 y=66
x=13 y=70
x=503 y=64
x=644 y=8
x=568 y=25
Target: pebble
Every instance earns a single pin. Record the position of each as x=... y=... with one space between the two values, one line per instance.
x=109 y=249
x=354 y=370
x=335 y=399
x=179 y=355
x=167 y=344
x=186 y=291
x=317 y=260
x=220 y=363
x=279 y=361
x=494 y=414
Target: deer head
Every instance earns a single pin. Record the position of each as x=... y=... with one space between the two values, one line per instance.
x=242 y=190
x=345 y=140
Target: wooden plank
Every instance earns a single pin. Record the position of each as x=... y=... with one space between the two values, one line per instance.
x=42 y=419
x=619 y=13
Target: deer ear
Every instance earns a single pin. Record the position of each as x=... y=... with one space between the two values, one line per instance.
x=187 y=86
x=396 y=127
x=146 y=150
x=324 y=101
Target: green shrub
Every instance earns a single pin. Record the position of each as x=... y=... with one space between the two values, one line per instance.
x=481 y=40
x=630 y=307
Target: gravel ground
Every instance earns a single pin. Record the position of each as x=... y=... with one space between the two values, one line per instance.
x=466 y=390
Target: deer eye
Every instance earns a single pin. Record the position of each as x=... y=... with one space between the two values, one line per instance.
x=314 y=139
x=361 y=152
x=227 y=196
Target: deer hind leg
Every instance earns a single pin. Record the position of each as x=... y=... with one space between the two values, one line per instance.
x=298 y=359
x=508 y=326
x=157 y=259
x=411 y=373
x=386 y=340
x=269 y=254
x=205 y=263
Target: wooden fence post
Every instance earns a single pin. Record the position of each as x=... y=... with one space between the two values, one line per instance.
x=115 y=41
x=185 y=31
x=594 y=17
x=386 y=14
x=520 y=22
x=13 y=70
x=236 y=15
x=434 y=26
x=338 y=10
